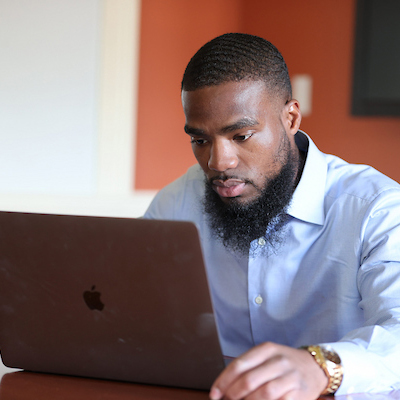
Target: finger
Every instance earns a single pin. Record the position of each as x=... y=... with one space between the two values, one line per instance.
x=283 y=387
x=262 y=376
x=246 y=362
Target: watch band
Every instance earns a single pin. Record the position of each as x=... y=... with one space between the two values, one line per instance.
x=330 y=363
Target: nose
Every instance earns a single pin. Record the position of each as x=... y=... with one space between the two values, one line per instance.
x=222 y=157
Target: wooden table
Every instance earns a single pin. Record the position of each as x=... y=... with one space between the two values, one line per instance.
x=21 y=385
x=35 y=386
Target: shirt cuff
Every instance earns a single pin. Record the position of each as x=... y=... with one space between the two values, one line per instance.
x=363 y=371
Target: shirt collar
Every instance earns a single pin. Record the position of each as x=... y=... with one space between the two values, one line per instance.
x=308 y=198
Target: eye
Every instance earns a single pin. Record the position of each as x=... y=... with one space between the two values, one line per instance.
x=243 y=138
x=198 y=142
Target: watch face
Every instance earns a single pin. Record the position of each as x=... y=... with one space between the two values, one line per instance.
x=331 y=355
x=335 y=358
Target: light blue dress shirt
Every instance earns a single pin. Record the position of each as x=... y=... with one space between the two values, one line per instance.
x=334 y=280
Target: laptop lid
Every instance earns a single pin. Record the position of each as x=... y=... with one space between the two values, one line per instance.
x=112 y=298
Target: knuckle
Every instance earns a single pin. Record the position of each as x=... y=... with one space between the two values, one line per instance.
x=247 y=384
x=269 y=391
x=270 y=348
x=290 y=396
x=283 y=362
x=237 y=365
x=267 y=349
x=269 y=345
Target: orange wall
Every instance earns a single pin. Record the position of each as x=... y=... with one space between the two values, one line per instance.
x=171 y=32
x=316 y=37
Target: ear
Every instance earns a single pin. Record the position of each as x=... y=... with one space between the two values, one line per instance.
x=291 y=117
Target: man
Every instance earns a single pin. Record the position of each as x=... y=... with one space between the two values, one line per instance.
x=301 y=248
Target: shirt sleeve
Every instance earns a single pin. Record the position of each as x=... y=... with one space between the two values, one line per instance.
x=161 y=207
x=179 y=200
x=371 y=354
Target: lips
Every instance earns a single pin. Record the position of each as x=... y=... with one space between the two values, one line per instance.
x=229 y=187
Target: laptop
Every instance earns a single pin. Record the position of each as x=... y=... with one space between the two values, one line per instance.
x=111 y=298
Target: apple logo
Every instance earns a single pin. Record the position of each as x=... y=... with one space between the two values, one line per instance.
x=92 y=299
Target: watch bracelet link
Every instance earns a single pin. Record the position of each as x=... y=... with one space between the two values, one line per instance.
x=323 y=355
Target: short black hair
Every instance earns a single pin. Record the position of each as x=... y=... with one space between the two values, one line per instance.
x=236 y=57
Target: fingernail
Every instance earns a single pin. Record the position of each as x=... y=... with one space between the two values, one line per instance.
x=215 y=394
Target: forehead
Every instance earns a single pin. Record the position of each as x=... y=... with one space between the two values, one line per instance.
x=228 y=101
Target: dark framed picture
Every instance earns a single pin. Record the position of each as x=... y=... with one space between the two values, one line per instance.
x=376 y=78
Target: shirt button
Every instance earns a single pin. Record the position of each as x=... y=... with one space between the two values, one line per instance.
x=259 y=300
x=261 y=241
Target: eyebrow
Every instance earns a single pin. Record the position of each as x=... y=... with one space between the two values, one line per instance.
x=193 y=131
x=245 y=122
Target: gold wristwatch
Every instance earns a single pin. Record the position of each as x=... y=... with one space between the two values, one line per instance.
x=330 y=363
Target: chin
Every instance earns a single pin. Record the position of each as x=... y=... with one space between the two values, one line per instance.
x=242 y=201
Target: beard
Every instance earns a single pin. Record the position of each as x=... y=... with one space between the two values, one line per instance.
x=238 y=224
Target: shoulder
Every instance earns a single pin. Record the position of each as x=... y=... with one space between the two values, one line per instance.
x=359 y=181
x=362 y=200
x=333 y=188
x=181 y=199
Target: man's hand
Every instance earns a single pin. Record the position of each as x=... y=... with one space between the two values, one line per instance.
x=271 y=372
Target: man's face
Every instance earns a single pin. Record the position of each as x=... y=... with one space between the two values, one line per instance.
x=241 y=136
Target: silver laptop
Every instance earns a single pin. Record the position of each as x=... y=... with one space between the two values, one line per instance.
x=111 y=298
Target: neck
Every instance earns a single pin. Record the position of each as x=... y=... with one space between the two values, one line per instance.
x=302 y=161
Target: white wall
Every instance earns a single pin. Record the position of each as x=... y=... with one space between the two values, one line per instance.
x=68 y=84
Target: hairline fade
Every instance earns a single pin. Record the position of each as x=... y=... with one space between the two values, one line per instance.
x=235 y=57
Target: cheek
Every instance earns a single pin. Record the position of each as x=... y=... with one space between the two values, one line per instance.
x=201 y=156
x=264 y=166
